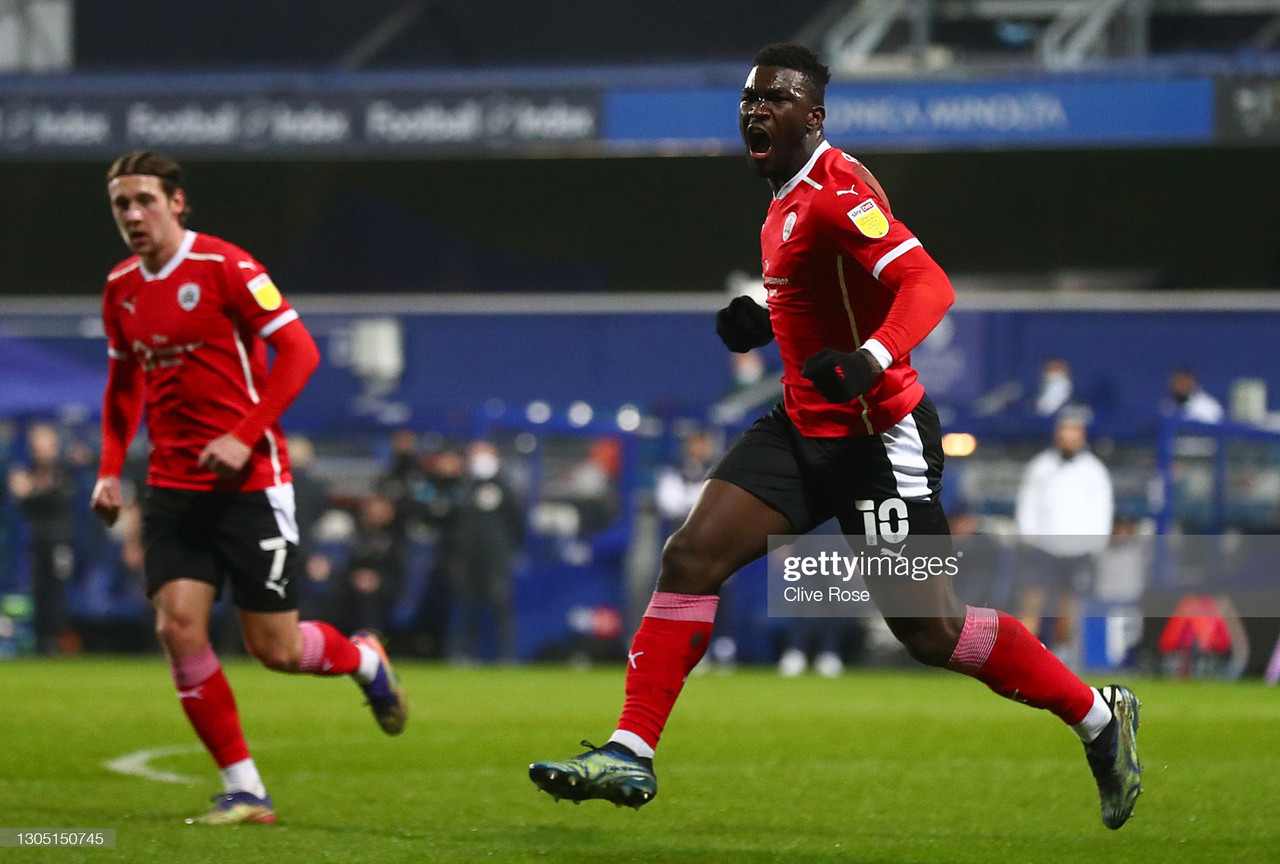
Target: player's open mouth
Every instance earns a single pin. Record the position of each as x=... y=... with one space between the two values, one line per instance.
x=759 y=145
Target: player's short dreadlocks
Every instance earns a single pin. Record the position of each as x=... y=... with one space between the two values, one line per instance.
x=789 y=55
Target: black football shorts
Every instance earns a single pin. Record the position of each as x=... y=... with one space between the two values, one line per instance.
x=866 y=482
x=249 y=539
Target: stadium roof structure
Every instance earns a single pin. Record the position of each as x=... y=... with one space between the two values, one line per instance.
x=859 y=38
x=501 y=78
x=968 y=37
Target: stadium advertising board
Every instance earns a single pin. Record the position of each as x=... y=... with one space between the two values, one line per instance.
x=247 y=117
x=943 y=114
x=297 y=125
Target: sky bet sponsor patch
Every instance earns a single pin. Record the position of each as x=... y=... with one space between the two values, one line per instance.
x=870 y=219
x=265 y=292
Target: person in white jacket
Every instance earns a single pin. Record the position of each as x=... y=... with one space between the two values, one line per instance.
x=1064 y=512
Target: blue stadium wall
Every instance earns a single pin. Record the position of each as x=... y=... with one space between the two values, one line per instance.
x=672 y=362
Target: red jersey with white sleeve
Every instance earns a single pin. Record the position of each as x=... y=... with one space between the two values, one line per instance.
x=841 y=272
x=197 y=329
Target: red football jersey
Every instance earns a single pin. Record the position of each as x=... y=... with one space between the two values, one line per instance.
x=840 y=271
x=197 y=329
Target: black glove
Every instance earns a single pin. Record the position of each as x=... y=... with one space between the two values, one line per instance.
x=839 y=377
x=744 y=324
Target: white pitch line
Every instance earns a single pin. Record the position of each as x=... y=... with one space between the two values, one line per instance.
x=137 y=764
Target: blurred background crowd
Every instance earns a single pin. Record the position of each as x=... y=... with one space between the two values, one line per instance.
x=509 y=224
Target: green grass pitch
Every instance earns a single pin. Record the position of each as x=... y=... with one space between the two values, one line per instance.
x=873 y=767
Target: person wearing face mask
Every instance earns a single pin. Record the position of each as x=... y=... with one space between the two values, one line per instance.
x=1055 y=387
x=481 y=541
x=1188 y=400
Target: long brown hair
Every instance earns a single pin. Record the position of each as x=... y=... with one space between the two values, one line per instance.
x=155 y=164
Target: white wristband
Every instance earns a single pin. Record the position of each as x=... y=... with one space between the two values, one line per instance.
x=878 y=351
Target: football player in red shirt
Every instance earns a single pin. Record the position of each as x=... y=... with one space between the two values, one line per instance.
x=850 y=292
x=188 y=319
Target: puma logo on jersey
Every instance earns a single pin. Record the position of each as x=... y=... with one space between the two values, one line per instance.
x=852 y=190
x=130 y=305
x=248 y=265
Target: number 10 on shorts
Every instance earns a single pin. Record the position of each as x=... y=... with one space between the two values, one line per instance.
x=889 y=521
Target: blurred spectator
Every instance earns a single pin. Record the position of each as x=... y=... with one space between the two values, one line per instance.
x=8 y=509
x=982 y=578
x=479 y=549
x=402 y=482
x=113 y=598
x=128 y=530
x=310 y=493
x=748 y=369
x=819 y=635
x=443 y=471
x=420 y=484
x=435 y=491
x=1123 y=567
x=374 y=574
x=1064 y=510
x=1204 y=638
x=676 y=489
x=1189 y=401
x=45 y=490
x=751 y=387
x=1056 y=387
x=820 y=640
x=1123 y=571
x=591 y=484
x=311 y=501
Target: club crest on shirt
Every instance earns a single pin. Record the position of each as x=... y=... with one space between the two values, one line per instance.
x=787 y=225
x=265 y=292
x=869 y=219
x=188 y=296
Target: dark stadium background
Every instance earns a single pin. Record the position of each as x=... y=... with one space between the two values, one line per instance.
x=1200 y=215
x=1128 y=259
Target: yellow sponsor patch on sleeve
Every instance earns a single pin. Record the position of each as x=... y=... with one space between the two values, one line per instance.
x=870 y=219
x=265 y=292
